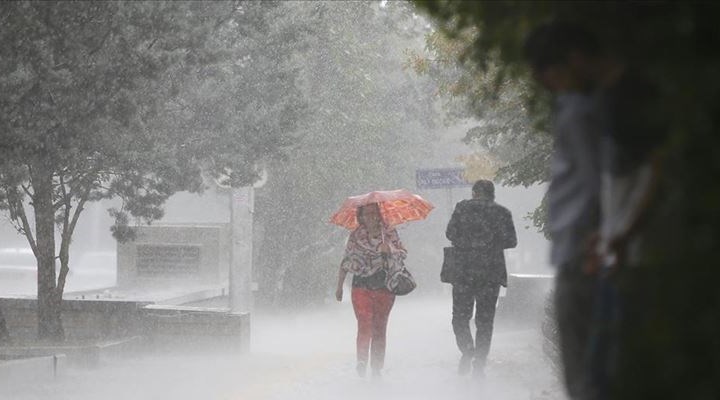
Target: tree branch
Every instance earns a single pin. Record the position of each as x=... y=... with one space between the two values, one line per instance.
x=67 y=232
x=152 y=43
x=234 y=6
x=76 y=215
x=66 y=201
x=102 y=41
x=23 y=97
x=19 y=211
x=26 y=189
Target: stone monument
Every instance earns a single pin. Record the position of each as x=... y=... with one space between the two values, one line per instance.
x=175 y=254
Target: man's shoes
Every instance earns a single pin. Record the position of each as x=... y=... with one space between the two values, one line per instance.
x=376 y=374
x=465 y=364
x=361 y=369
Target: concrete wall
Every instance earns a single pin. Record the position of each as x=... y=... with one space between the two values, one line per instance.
x=30 y=369
x=103 y=320
x=525 y=297
x=198 y=326
x=82 y=319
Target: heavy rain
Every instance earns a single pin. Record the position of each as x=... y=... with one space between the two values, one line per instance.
x=232 y=199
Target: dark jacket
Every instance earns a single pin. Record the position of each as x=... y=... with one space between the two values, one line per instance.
x=480 y=230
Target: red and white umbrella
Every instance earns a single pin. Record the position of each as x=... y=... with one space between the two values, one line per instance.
x=396 y=207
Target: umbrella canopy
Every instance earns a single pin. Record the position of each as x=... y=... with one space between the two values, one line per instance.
x=396 y=207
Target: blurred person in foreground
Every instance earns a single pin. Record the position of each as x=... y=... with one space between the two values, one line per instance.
x=554 y=54
x=603 y=176
x=372 y=249
x=479 y=230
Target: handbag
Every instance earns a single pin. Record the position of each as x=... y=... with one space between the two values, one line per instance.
x=400 y=282
x=450 y=266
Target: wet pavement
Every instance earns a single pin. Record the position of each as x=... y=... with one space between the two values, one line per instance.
x=310 y=356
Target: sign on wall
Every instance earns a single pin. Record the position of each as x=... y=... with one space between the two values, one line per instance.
x=167 y=259
x=441 y=178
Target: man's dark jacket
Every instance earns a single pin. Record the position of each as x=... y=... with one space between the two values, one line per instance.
x=480 y=230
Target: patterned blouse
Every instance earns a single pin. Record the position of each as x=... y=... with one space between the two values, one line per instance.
x=362 y=253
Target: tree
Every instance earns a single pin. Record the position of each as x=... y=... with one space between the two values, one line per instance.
x=243 y=109
x=88 y=94
x=4 y=334
x=673 y=45
x=367 y=128
x=506 y=145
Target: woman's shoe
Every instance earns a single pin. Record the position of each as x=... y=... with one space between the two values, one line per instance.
x=465 y=364
x=478 y=369
x=361 y=369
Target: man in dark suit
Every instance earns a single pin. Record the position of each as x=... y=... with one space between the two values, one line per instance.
x=479 y=230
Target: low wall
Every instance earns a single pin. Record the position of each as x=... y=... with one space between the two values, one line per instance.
x=18 y=369
x=104 y=320
x=200 y=326
x=86 y=355
x=82 y=319
x=525 y=297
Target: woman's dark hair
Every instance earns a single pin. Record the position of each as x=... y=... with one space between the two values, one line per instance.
x=552 y=43
x=360 y=212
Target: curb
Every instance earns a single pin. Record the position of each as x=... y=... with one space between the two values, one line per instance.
x=32 y=369
x=83 y=356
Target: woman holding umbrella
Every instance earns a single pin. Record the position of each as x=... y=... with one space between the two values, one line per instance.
x=374 y=249
x=371 y=246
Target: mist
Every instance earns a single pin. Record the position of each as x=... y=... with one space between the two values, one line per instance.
x=310 y=355
x=319 y=104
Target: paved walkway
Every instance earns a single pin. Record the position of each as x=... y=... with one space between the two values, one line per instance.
x=310 y=356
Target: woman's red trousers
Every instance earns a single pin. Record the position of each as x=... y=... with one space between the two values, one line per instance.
x=372 y=308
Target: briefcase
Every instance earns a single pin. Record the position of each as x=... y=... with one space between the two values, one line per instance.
x=450 y=266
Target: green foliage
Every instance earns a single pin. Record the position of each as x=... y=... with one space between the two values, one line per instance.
x=367 y=129
x=674 y=44
x=481 y=91
x=504 y=135
x=243 y=111
x=134 y=100
x=76 y=96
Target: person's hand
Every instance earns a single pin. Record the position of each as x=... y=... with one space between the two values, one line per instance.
x=593 y=259
x=384 y=248
x=339 y=293
x=618 y=247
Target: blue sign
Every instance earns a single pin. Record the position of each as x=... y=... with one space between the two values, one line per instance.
x=441 y=178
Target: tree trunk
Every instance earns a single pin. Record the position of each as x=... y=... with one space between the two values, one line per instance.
x=49 y=304
x=4 y=334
